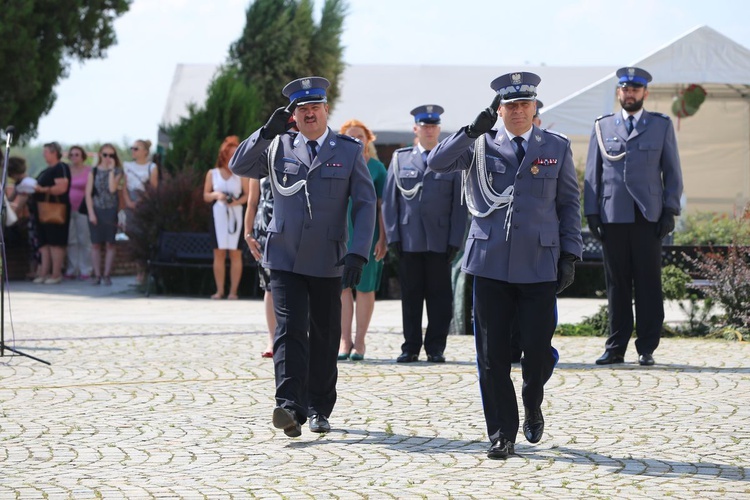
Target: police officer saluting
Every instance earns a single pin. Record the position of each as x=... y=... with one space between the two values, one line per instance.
x=521 y=188
x=424 y=225
x=313 y=174
x=631 y=196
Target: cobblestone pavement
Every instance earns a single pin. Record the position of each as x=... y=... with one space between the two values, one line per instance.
x=169 y=398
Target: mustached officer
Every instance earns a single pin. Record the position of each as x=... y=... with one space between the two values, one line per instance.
x=424 y=225
x=313 y=175
x=632 y=193
x=524 y=239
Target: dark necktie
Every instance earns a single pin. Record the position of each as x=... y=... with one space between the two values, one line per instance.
x=520 y=153
x=313 y=149
x=425 y=153
x=630 y=124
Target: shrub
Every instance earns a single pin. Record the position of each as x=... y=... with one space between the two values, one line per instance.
x=706 y=229
x=176 y=205
x=729 y=285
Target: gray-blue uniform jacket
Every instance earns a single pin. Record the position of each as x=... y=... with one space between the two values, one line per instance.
x=300 y=243
x=545 y=217
x=434 y=218
x=649 y=173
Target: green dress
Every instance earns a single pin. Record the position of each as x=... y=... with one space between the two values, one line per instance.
x=373 y=270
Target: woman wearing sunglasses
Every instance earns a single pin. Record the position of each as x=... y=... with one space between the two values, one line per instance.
x=101 y=195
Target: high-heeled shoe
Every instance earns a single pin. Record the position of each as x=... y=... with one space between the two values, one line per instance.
x=355 y=356
x=96 y=280
x=344 y=355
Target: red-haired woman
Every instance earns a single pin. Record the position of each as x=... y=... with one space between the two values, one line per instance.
x=371 y=274
x=227 y=192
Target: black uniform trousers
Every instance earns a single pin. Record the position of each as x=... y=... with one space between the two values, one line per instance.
x=425 y=277
x=306 y=342
x=632 y=261
x=496 y=303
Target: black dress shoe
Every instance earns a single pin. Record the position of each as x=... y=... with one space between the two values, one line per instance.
x=436 y=358
x=501 y=449
x=533 y=424
x=287 y=420
x=610 y=358
x=646 y=360
x=319 y=424
x=407 y=358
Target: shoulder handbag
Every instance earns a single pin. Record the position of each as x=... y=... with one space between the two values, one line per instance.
x=52 y=212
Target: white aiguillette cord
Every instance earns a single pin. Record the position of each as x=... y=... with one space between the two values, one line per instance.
x=492 y=198
x=409 y=194
x=282 y=190
x=601 y=145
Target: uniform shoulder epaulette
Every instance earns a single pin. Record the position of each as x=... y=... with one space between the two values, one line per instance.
x=404 y=149
x=654 y=113
x=348 y=138
x=604 y=116
x=558 y=134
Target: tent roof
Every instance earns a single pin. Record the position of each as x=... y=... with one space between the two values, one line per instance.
x=381 y=96
x=702 y=56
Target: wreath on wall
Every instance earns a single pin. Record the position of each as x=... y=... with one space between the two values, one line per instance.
x=690 y=99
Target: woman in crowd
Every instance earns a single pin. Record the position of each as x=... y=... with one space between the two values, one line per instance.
x=257 y=217
x=227 y=193
x=355 y=350
x=53 y=184
x=139 y=173
x=102 y=200
x=19 y=196
x=79 y=240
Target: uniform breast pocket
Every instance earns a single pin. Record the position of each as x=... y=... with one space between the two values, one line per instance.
x=286 y=172
x=652 y=151
x=444 y=183
x=613 y=145
x=544 y=183
x=408 y=177
x=495 y=164
x=335 y=180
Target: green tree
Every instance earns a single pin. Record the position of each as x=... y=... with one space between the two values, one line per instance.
x=281 y=42
x=40 y=39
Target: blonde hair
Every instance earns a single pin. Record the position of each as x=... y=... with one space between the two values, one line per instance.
x=146 y=144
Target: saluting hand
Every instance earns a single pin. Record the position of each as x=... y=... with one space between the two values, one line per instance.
x=485 y=120
x=279 y=122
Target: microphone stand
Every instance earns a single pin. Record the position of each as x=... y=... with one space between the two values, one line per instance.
x=4 y=268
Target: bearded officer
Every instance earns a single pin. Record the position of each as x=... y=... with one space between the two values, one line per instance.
x=424 y=225
x=632 y=191
x=313 y=175
x=524 y=239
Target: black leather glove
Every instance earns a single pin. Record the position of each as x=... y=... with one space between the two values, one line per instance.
x=665 y=224
x=484 y=120
x=596 y=227
x=353 y=265
x=395 y=248
x=566 y=271
x=452 y=252
x=279 y=122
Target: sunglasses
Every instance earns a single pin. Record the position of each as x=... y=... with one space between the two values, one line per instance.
x=108 y=155
x=134 y=148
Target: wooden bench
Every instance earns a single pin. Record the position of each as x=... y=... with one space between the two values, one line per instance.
x=191 y=251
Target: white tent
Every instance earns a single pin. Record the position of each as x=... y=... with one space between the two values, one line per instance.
x=714 y=143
